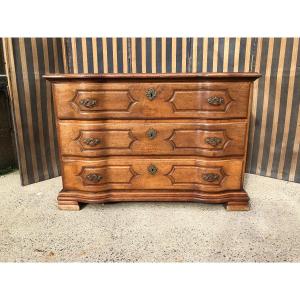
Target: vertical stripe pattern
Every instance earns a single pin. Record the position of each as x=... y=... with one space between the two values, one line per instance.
x=29 y=59
x=274 y=133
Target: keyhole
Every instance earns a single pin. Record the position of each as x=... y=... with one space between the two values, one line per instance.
x=151 y=133
x=152 y=169
x=151 y=93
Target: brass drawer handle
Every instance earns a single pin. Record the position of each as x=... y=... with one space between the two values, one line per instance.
x=91 y=141
x=152 y=169
x=215 y=100
x=93 y=177
x=151 y=133
x=151 y=94
x=213 y=141
x=210 y=177
x=88 y=103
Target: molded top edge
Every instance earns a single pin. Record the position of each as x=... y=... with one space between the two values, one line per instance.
x=208 y=75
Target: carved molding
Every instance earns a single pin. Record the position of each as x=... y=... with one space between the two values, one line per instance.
x=205 y=170
x=213 y=141
x=175 y=109
x=77 y=105
x=92 y=142
x=97 y=176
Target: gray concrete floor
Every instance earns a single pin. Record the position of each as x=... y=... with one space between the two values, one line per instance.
x=32 y=229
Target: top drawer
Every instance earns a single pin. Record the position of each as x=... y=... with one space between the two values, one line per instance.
x=151 y=100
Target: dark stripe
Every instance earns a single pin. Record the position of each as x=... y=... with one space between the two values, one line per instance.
x=89 y=51
x=22 y=104
x=253 y=54
x=282 y=108
x=69 y=53
x=44 y=106
x=110 y=61
x=242 y=54
x=2 y=64
x=189 y=54
x=79 y=55
x=178 y=55
x=271 y=105
x=120 y=54
x=220 y=55
x=52 y=70
x=210 y=54
x=158 y=55
x=200 y=55
x=169 y=55
x=60 y=55
x=231 y=54
x=34 y=112
x=148 y=55
x=129 y=55
x=259 y=108
x=51 y=55
x=293 y=121
x=100 y=55
x=138 y=53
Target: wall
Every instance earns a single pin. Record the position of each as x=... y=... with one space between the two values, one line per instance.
x=275 y=124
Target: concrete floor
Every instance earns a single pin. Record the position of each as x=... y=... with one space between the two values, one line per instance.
x=32 y=229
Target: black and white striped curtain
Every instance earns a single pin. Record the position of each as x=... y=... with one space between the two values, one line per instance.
x=274 y=136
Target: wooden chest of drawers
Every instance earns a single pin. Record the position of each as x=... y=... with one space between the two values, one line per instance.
x=152 y=137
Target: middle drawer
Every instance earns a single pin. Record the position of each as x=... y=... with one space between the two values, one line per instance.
x=100 y=138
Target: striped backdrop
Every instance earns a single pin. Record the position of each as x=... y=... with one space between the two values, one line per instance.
x=28 y=59
x=275 y=124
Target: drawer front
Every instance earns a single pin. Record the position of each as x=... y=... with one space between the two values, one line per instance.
x=151 y=100
x=211 y=139
x=151 y=174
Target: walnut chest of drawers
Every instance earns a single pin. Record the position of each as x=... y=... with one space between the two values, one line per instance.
x=152 y=137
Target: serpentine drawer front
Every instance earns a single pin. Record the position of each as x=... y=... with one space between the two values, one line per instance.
x=152 y=173
x=152 y=137
x=126 y=100
x=95 y=138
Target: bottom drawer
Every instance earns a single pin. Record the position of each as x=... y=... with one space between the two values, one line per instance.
x=152 y=174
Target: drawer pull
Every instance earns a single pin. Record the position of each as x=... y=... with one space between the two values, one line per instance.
x=93 y=177
x=215 y=100
x=152 y=169
x=88 y=103
x=151 y=133
x=211 y=177
x=213 y=141
x=151 y=94
x=91 y=141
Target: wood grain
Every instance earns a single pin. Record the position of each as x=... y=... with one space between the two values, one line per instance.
x=207 y=138
x=128 y=100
